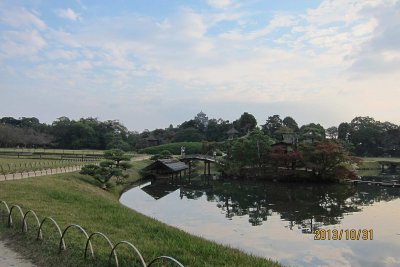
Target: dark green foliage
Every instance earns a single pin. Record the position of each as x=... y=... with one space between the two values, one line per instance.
x=332 y=132
x=175 y=148
x=217 y=130
x=290 y=123
x=188 y=135
x=344 y=131
x=245 y=123
x=165 y=154
x=251 y=151
x=272 y=124
x=312 y=132
x=364 y=136
x=113 y=166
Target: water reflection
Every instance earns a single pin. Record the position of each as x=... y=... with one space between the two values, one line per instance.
x=306 y=206
x=275 y=220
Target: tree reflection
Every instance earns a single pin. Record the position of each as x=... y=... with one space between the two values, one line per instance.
x=307 y=207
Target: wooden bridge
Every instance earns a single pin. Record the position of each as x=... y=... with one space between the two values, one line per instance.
x=393 y=183
x=199 y=157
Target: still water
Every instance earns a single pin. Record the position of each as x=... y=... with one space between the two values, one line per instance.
x=278 y=221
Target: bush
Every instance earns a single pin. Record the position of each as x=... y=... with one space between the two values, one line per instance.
x=165 y=154
x=174 y=148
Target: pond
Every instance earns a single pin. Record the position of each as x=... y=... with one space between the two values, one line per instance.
x=278 y=221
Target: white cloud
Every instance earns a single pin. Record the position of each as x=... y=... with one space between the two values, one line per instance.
x=62 y=54
x=63 y=38
x=21 y=18
x=68 y=14
x=219 y=3
x=363 y=29
x=22 y=43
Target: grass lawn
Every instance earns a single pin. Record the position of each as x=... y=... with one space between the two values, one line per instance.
x=372 y=163
x=73 y=198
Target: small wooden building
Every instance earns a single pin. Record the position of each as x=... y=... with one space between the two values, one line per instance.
x=288 y=142
x=232 y=133
x=166 y=168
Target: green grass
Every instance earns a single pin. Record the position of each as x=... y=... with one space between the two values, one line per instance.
x=175 y=148
x=73 y=198
x=381 y=159
x=369 y=163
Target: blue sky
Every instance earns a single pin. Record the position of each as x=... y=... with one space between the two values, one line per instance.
x=152 y=63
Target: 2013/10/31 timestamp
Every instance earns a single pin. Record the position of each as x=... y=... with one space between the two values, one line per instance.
x=344 y=234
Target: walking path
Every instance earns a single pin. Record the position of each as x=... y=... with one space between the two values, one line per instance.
x=19 y=175
x=9 y=258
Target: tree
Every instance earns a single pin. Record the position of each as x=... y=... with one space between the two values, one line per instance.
x=245 y=123
x=326 y=158
x=217 y=129
x=251 y=151
x=344 y=131
x=188 y=135
x=391 y=142
x=365 y=134
x=289 y=122
x=114 y=165
x=272 y=124
x=165 y=154
x=312 y=132
x=284 y=158
x=332 y=132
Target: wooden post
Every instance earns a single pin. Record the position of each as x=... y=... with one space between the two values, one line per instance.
x=383 y=167
x=209 y=168
x=205 y=167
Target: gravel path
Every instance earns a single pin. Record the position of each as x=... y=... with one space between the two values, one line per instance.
x=9 y=258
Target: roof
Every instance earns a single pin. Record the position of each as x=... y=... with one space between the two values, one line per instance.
x=172 y=165
x=158 y=190
x=232 y=131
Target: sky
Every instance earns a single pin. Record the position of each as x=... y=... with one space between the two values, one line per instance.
x=152 y=63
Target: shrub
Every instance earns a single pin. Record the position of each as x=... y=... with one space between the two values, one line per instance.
x=174 y=148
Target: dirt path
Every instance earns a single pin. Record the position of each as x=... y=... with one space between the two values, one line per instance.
x=18 y=175
x=9 y=258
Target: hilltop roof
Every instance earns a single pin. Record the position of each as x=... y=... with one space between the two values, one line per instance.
x=232 y=131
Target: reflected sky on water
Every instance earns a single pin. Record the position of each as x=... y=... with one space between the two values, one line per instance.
x=277 y=221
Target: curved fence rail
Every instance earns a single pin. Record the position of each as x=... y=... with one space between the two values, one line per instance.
x=62 y=246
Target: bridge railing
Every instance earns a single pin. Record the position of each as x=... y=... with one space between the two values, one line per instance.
x=88 y=244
